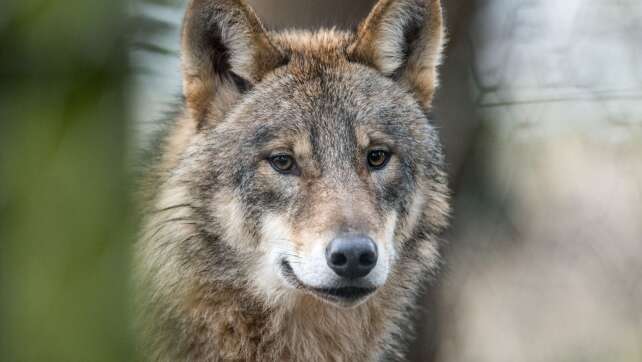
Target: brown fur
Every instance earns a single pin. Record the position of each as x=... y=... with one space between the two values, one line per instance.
x=195 y=309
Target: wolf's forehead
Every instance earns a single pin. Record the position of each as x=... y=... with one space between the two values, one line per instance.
x=336 y=106
x=328 y=42
x=322 y=91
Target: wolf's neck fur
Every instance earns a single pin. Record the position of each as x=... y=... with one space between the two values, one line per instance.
x=226 y=324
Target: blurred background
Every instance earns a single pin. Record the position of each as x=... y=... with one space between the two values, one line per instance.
x=540 y=111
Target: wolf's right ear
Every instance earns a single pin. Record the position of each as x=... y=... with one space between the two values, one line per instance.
x=225 y=49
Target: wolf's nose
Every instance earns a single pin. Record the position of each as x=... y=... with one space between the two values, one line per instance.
x=351 y=256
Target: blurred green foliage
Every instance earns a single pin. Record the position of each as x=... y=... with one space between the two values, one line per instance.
x=65 y=212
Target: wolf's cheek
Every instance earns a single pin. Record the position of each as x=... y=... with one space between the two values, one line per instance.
x=275 y=244
x=392 y=184
x=233 y=218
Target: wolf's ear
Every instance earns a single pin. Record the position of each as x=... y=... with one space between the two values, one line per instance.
x=403 y=39
x=225 y=50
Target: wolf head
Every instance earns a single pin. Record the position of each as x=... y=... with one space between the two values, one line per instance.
x=310 y=166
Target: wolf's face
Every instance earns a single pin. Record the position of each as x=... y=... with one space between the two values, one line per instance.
x=314 y=162
x=324 y=170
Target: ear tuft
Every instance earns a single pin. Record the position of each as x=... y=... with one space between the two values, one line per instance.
x=403 y=39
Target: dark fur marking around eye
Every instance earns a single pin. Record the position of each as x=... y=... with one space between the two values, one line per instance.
x=403 y=183
x=260 y=199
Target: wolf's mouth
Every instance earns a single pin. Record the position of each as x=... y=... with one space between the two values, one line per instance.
x=341 y=295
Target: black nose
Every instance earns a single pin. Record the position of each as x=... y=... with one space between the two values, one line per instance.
x=351 y=256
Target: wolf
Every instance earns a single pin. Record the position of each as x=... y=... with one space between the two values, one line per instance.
x=294 y=208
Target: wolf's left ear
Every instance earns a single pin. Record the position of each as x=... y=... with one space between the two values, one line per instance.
x=403 y=39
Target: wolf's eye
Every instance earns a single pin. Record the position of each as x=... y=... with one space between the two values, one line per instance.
x=377 y=159
x=282 y=163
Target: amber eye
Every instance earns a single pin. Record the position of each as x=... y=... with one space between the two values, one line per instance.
x=377 y=159
x=282 y=163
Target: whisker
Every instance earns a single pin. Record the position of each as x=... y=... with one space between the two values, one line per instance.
x=173 y=221
x=172 y=208
x=185 y=239
x=292 y=256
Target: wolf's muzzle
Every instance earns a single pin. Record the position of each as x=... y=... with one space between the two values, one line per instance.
x=351 y=256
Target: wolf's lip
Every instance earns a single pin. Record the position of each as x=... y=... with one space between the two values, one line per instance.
x=335 y=294
x=346 y=293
